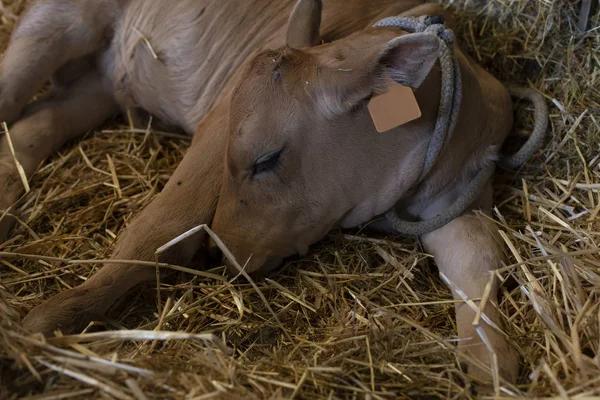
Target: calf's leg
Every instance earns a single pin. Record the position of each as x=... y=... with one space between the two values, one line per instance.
x=49 y=35
x=45 y=126
x=188 y=200
x=466 y=250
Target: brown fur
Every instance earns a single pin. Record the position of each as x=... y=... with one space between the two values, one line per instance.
x=223 y=70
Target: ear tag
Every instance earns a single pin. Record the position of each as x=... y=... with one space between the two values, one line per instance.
x=396 y=107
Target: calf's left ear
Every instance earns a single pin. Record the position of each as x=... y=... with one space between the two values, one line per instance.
x=304 y=24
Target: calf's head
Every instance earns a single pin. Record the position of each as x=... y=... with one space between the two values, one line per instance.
x=303 y=154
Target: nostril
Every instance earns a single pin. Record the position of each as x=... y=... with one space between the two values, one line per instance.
x=215 y=255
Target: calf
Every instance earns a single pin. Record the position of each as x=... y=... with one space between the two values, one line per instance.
x=284 y=146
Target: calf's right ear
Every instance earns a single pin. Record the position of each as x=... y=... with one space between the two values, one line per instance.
x=304 y=24
x=406 y=59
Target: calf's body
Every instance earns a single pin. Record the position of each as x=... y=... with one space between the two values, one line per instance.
x=284 y=148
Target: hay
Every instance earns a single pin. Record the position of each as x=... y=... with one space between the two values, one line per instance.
x=361 y=317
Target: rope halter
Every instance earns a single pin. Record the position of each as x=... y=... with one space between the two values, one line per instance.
x=449 y=110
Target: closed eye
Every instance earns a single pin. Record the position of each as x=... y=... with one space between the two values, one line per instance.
x=267 y=162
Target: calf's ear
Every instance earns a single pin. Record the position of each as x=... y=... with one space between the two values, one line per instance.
x=371 y=62
x=304 y=24
x=409 y=59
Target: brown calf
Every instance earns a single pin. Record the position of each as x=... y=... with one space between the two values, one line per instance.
x=284 y=147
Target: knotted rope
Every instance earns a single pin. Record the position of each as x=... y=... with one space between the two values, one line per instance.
x=449 y=109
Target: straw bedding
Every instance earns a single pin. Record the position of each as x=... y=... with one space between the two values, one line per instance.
x=361 y=316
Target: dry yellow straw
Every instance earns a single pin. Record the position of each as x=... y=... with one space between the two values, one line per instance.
x=20 y=169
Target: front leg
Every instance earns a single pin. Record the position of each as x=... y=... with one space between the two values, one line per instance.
x=466 y=250
x=189 y=199
x=45 y=126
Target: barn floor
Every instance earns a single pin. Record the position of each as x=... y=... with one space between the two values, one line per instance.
x=360 y=317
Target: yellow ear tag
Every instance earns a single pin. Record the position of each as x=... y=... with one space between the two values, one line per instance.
x=396 y=107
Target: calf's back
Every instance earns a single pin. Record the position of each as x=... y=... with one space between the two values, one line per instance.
x=174 y=59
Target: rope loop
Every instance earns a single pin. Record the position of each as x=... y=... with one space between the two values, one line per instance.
x=449 y=110
x=427 y=24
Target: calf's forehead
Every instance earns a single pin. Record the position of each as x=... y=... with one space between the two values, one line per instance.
x=269 y=124
x=262 y=104
x=258 y=77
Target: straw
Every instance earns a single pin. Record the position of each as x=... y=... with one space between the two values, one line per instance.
x=363 y=315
